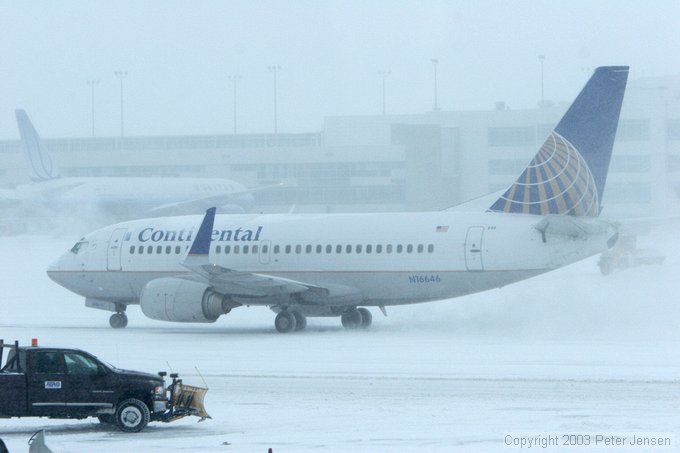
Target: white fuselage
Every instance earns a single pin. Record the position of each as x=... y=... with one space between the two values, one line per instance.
x=125 y=197
x=388 y=258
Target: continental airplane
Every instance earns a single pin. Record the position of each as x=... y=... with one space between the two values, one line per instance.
x=115 y=197
x=193 y=269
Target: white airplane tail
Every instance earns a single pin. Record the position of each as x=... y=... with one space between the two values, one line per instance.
x=39 y=160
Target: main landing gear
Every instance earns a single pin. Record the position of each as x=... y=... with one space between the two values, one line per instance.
x=287 y=321
x=356 y=318
x=353 y=318
x=118 y=320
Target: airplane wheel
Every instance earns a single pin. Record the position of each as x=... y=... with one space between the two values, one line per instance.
x=118 y=320
x=366 y=317
x=351 y=319
x=300 y=320
x=285 y=322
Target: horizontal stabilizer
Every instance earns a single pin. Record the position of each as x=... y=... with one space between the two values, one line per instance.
x=570 y=226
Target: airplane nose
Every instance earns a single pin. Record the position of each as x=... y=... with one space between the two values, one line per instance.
x=54 y=270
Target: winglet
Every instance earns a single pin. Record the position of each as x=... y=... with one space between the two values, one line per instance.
x=568 y=174
x=39 y=160
x=200 y=248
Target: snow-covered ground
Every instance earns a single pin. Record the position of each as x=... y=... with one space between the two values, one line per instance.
x=567 y=352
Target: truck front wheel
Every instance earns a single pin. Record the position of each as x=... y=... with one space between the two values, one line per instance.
x=132 y=415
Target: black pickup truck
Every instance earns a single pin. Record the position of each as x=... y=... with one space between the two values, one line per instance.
x=70 y=383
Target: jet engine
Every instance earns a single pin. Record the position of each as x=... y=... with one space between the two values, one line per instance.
x=181 y=300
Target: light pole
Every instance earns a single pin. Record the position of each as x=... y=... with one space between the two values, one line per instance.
x=275 y=69
x=121 y=75
x=235 y=78
x=384 y=75
x=434 y=64
x=541 y=59
x=92 y=84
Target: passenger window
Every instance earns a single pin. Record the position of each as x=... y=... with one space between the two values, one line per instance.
x=388 y=248
x=369 y=248
x=218 y=249
x=288 y=249
x=149 y=249
x=132 y=250
x=338 y=248
x=298 y=248
x=254 y=249
x=329 y=248
x=265 y=249
x=430 y=248
x=409 y=248
x=227 y=249
x=420 y=248
x=378 y=248
x=400 y=248
x=245 y=249
x=159 y=249
x=348 y=249
x=236 y=249
x=319 y=248
x=168 y=249
x=358 y=249
x=177 y=249
x=141 y=249
x=277 y=249
x=308 y=248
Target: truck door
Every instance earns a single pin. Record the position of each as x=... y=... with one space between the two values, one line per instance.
x=91 y=388
x=47 y=390
x=115 y=247
x=473 y=248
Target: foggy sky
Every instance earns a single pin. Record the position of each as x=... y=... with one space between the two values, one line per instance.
x=179 y=54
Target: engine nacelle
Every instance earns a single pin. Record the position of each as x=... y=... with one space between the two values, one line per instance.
x=180 y=300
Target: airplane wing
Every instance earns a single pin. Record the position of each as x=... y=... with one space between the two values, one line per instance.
x=204 y=202
x=230 y=281
x=238 y=283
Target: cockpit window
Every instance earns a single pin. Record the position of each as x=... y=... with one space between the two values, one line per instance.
x=79 y=247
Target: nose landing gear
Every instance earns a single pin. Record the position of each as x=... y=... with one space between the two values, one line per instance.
x=118 y=320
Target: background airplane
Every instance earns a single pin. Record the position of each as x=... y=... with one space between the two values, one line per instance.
x=114 y=198
x=337 y=264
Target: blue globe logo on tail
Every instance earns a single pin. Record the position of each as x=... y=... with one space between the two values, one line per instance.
x=557 y=180
x=568 y=174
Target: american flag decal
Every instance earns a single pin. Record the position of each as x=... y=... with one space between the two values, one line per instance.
x=442 y=228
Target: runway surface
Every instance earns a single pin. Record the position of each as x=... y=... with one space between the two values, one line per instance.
x=568 y=352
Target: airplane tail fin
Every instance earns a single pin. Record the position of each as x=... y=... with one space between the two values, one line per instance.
x=40 y=163
x=568 y=174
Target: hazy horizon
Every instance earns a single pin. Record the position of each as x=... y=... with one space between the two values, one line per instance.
x=178 y=56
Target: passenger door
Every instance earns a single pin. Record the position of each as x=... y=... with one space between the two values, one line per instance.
x=473 y=249
x=90 y=385
x=114 y=251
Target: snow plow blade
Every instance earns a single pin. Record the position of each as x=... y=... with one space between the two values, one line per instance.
x=187 y=400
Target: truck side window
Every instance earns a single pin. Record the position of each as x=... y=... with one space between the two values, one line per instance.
x=79 y=364
x=49 y=362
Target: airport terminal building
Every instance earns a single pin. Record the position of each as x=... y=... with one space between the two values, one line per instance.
x=413 y=162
